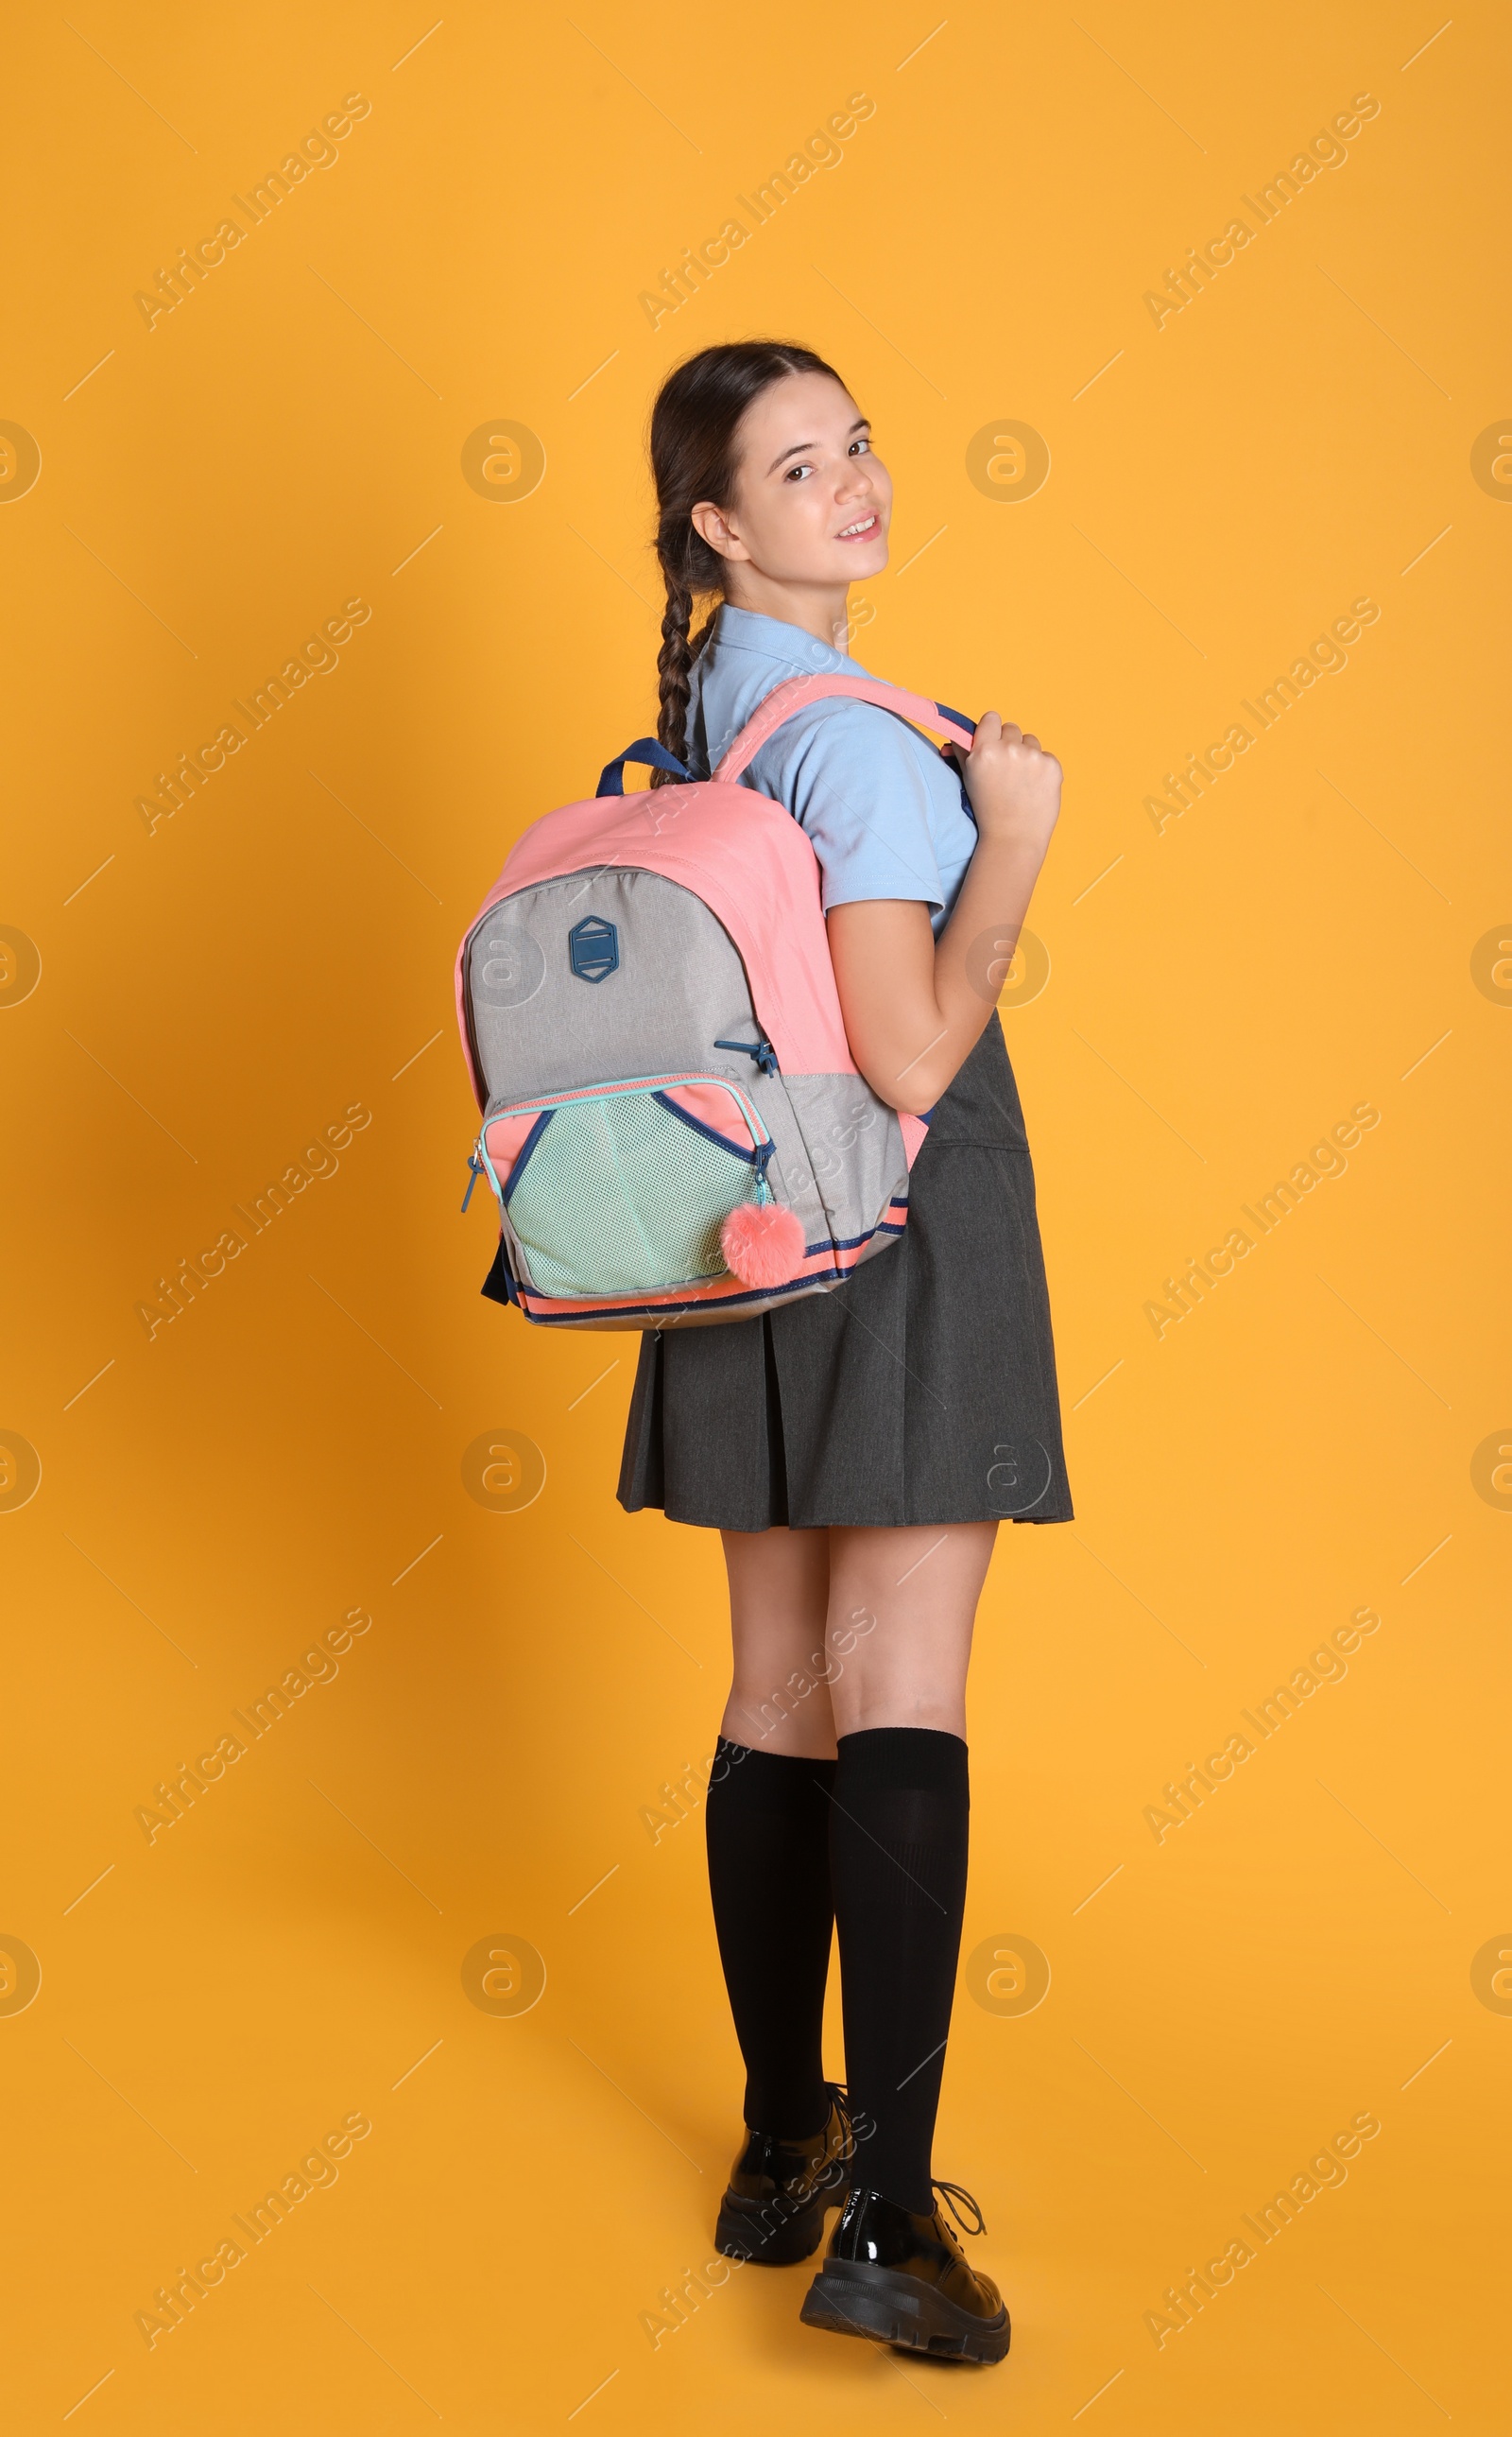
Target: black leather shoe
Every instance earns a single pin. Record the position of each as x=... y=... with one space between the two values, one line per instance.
x=774 y=2211
x=899 y=2278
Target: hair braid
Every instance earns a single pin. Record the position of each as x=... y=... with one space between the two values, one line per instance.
x=675 y=663
x=689 y=567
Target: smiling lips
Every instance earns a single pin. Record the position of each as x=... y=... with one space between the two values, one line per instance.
x=861 y=531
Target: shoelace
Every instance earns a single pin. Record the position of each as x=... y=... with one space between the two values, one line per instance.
x=950 y=2193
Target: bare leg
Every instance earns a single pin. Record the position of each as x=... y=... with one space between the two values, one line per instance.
x=779 y=1594
x=902 y=1602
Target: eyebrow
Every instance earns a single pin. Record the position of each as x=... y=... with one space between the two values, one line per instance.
x=801 y=447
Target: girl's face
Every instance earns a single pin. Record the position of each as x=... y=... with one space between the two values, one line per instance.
x=811 y=503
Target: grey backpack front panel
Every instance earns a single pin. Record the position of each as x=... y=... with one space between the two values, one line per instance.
x=604 y=976
x=550 y=1012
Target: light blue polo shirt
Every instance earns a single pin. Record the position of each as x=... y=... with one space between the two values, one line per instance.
x=885 y=814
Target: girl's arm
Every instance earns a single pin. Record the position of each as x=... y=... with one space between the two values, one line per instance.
x=914 y=1007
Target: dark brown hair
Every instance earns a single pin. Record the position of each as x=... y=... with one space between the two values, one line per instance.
x=693 y=431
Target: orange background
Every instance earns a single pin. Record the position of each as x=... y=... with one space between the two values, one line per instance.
x=1319 y=1940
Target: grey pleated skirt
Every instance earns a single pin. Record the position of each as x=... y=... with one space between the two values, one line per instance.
x=923 y=1391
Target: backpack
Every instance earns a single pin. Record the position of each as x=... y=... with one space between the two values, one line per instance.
x=672 y=1123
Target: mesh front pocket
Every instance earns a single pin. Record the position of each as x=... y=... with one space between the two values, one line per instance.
x=620 y=1193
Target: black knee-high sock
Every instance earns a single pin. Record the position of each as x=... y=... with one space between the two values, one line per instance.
x=767 y=1821
x=898 y=1825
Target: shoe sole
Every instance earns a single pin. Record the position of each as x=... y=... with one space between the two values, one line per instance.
x=884 y=2305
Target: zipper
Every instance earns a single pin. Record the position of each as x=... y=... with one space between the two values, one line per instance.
x=636 y=1083
x=762 y=1145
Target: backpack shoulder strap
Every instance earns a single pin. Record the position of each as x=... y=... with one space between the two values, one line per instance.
x=795 y=692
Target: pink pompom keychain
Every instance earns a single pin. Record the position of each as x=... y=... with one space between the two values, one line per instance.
x=762 y=1243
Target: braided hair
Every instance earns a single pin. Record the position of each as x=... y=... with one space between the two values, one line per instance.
x=694 y=456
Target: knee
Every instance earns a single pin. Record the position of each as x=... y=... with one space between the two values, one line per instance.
x=895 y=1705
x=783 y=1684
x=892 y=1682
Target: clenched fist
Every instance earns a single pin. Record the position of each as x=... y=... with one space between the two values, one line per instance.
x=1014 y=784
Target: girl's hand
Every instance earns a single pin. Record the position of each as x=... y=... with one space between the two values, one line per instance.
x=1014 y=786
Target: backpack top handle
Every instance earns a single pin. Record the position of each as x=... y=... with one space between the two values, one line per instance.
x=794 y=692
x=645 y=749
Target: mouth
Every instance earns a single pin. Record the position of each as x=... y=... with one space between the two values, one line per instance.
x=862 y=529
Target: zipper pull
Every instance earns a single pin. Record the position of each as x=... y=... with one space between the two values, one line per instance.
x=761 y=1157
x=761 y=1049
x=477 y=1166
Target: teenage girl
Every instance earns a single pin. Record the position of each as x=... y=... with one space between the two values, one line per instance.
x=855 y=1450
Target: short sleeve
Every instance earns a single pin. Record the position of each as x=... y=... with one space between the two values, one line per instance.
x=868 y=793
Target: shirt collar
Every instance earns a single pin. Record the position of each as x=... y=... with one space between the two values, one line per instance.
x=772 y=639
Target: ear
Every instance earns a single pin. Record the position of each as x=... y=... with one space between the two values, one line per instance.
x=712 y=526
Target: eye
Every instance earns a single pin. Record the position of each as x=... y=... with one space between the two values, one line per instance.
x=797 y=473
x=861 y=447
